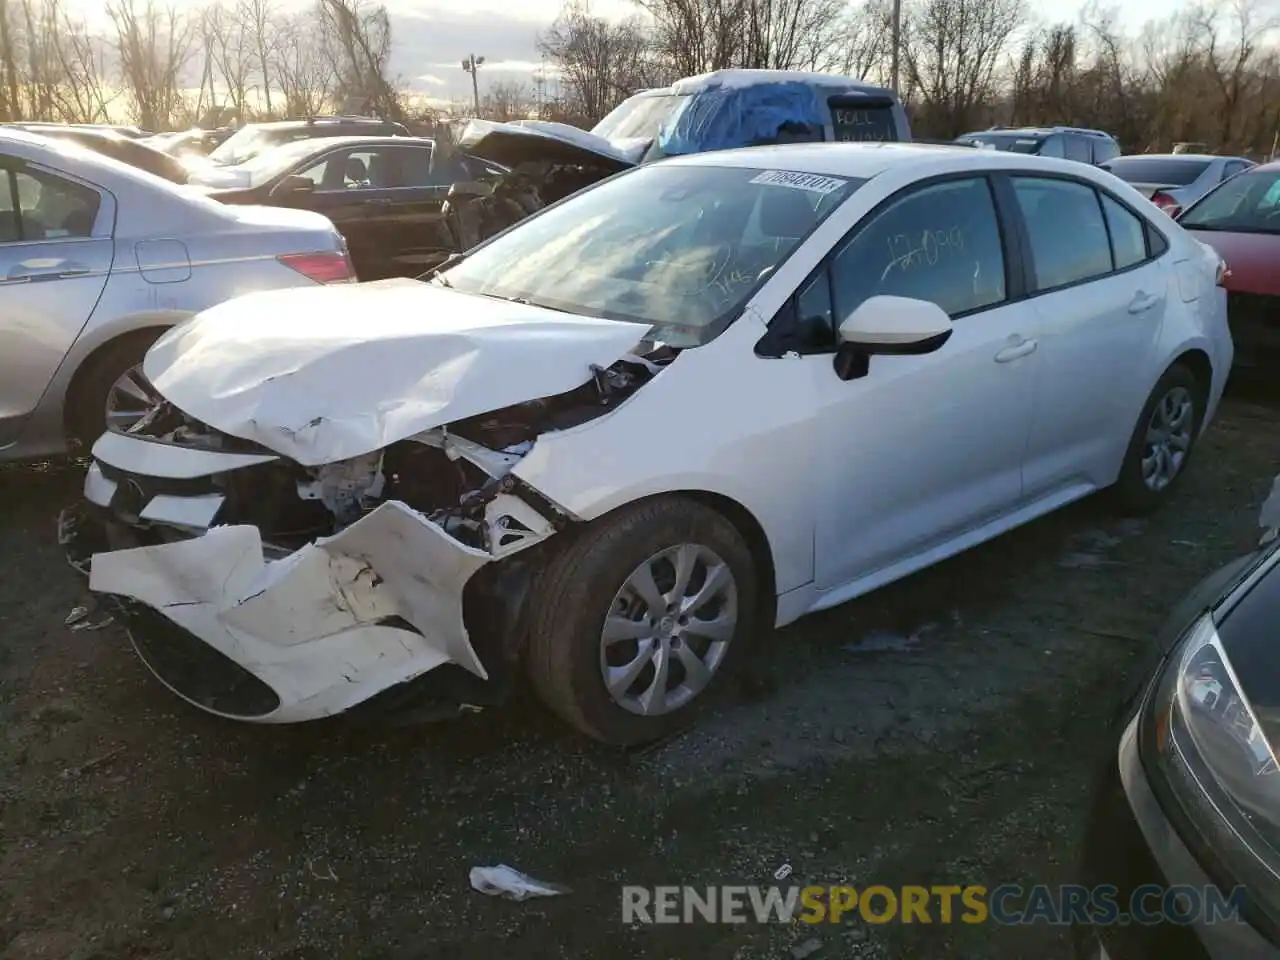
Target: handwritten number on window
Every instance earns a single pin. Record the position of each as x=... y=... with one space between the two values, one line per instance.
x=925 y=249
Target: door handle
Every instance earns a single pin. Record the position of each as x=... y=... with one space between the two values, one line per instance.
x=62 y=271
x=1023 y=348
x=1142 y=301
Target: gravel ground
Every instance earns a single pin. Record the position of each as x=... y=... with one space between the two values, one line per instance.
x=943 y=730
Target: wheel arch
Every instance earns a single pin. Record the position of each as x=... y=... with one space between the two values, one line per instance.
x=139 y=334
x=1198 y=362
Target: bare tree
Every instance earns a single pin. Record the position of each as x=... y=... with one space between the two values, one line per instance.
x=358 y=36
x=152 y=46
x=300 y=64
x=601 y=63
x=696 y=36
x=506 y=100
x=789 y=34
x=952 y=50
x=260 y=23
x=863 y=38
x=230 y=51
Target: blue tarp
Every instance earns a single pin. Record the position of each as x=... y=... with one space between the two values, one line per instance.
x=738 y=116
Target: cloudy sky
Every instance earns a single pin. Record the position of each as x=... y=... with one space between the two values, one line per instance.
x=432 y=37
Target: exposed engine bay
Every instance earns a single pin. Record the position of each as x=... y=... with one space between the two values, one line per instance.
x=475 y=212
x=457 y=476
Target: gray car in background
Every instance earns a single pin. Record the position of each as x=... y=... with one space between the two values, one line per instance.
x=97 y=259
x=1174 y=181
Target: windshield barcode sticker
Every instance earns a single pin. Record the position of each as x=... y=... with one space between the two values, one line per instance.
x=800 y=181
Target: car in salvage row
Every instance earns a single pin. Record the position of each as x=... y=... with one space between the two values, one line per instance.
x=97 y=259
x=608 y=448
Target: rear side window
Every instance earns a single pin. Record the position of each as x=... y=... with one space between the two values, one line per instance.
x=940 y=242
x=413 y=167
x=1078 y=148
x=1104 y=150
x=35 y=206
x=855 y=122
x=1128 y=234
x=1068 y=235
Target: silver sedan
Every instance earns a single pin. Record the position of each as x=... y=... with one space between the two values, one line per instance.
x=1174 y=181
x=97 y=259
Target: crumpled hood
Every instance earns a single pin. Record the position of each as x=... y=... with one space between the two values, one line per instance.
x=524 y=141
x=321 y=374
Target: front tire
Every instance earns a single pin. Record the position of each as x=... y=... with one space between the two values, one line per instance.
x=1162 y=441
x=638 y=620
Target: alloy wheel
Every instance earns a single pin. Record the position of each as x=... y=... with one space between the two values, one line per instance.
x=668 y=629
x=1168 y=438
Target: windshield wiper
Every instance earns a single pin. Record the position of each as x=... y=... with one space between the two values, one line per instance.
x=437 y=272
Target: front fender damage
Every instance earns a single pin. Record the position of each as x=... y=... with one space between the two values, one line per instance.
x=398 y=577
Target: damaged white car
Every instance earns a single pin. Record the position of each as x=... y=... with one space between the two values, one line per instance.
x=607 y=447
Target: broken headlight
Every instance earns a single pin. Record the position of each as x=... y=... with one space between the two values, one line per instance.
x=1215 y=770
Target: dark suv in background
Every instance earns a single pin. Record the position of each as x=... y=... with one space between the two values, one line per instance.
x=1071 y=143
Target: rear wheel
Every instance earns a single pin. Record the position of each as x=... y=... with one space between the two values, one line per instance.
x=110 y=389
x=1162 y=441
x=637 y=622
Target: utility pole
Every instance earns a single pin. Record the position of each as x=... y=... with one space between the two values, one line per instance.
x=472 y=66
x=897 y=44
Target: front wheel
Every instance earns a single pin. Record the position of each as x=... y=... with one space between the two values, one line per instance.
x=638 y=620
x=1162 y=441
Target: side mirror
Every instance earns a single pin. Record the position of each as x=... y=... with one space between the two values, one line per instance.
x=295 y=185
x=892 y=327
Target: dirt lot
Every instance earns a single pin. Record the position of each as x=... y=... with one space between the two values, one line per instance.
x=134 y=826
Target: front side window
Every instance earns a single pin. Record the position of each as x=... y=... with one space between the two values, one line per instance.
x=1248 y=203
x=35 y=205
x=680 y=247
x=939 y=243
x=1068 y=237
x=359 y=168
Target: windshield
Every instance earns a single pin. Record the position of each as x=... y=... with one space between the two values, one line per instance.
x=681 y=247
x=1169 y=172
x=1247 y=203
x=640 y=116
x=1009 y=142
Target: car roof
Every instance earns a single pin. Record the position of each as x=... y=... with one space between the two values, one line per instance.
x=1174 y=157
x=324 y=122
x=865 y=160
x=329 y=143
x=731 y=79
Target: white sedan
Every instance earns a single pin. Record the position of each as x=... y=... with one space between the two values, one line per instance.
x=703 y=398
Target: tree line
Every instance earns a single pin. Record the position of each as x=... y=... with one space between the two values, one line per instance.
x=1207 y=72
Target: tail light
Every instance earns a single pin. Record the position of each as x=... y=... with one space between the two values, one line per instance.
x=1166 y=203
x=321 y=267
x=1224 y=274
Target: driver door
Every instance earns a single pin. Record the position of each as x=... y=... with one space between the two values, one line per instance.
x=923 y=449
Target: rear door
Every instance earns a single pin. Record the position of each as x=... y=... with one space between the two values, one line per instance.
x=418 y=237
x=1100 y=294
x=55 y=258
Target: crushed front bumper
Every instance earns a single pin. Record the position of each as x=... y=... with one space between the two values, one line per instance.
x=249 y=633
